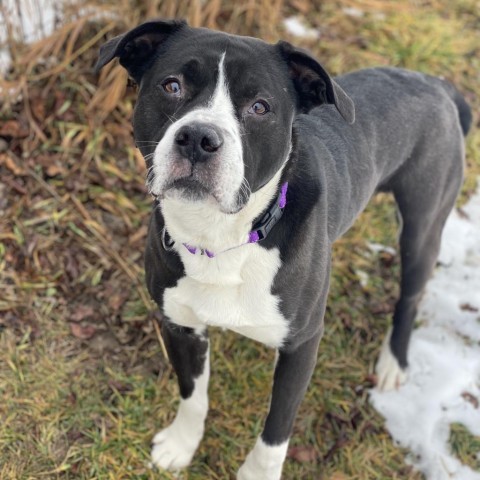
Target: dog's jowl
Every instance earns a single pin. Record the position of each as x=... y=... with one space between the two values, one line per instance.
x=259 y=161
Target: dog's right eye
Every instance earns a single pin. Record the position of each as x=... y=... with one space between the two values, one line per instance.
x=172 y=86
x=260 y=107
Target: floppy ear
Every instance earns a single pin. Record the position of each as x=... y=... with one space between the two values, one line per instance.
x=136 y=47
x=313 y=84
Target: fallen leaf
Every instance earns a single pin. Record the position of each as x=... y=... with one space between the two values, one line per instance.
x=387 y=259
x=468 y=397
x=116 y=300
x=382 y=308
x=81 y=313
x=468 y=308
x=84 y=332
x=303 y=454
x=13 y=128
x=9 y=162
x=121 y=387
x=54 y=170
x=462 y=213
x=371 y=380
x=71 y=265
x=72 y=398
x=38 y=108
x=338 y=476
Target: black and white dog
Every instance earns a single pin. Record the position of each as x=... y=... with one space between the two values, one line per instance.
x=259 y=161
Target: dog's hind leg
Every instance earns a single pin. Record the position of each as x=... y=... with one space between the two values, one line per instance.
x=424 y=209
x=174 y=447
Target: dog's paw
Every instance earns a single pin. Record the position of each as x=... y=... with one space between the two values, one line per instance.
x=390 y=375
x=264 y=462
x=172 y=450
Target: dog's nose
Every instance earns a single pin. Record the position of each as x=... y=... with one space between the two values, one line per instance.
x=198 y=142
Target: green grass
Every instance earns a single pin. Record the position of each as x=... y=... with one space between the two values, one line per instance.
x=465 y=445
x=84 y=384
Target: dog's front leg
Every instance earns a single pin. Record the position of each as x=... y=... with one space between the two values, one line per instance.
x=174 y=447
x=292 y=376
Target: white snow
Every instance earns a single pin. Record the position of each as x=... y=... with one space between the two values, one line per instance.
x=353 y=12
x=378 y=248
x=444 y=357
x=363 y=277
x=297 y=28
x=27 y=20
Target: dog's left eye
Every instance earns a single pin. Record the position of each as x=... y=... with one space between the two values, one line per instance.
x=172 y=86
x=259 y=108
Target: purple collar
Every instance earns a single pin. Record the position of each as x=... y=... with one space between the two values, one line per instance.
x=258 y=233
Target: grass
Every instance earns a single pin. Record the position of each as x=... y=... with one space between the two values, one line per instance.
x=83 y=380
x=465 y=445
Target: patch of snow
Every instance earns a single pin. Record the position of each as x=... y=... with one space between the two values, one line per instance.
x=379 y=16
x=353 y=12
x=444 y=357
x=363 y=277
x=27 y=20
x=297 y=28
x=5 y=59
x=378 y=248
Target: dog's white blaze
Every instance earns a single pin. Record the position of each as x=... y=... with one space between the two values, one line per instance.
x=219 y=111
x=174 y=446
x=233 y=289
x=264 y=462
x=389 y=373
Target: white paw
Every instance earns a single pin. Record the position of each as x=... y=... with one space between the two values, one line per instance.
x=390 y=375
x=172 y=450
x=264 y=462
x=174 y=447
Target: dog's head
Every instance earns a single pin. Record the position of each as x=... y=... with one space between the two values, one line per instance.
x=215 y=111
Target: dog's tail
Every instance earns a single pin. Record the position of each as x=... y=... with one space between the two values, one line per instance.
x=464 y=110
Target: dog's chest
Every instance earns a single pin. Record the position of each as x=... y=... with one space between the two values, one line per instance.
x=230 y=291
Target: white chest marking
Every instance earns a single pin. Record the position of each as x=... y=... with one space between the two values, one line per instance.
x=230 y=291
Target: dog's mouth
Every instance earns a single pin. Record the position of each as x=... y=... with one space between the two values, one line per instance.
x=191 y=189
x=195 y=183
x=184 y=181
x=188 y=187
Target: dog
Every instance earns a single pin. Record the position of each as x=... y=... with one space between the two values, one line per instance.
x=258 y=161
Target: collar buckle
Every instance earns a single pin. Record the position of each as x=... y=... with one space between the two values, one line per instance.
x=268 y=221
x=167 y=243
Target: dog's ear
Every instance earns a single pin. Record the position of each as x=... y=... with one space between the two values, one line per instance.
x=135 y=47
x=313 y=84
